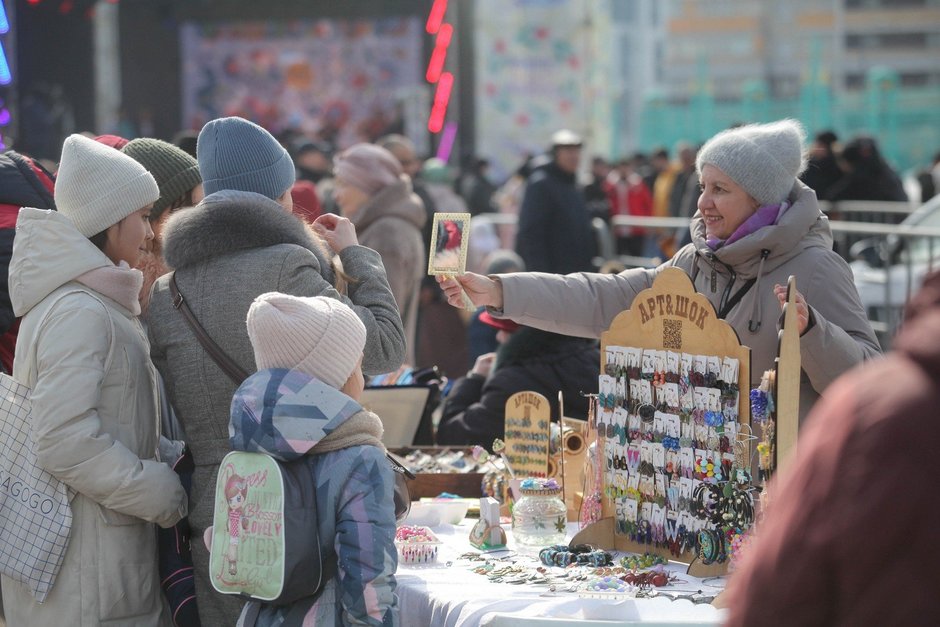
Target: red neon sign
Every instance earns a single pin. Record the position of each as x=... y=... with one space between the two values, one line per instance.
x=441 y=98
x=436 y=16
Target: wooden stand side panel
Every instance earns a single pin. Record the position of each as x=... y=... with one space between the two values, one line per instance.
x=787 y=393
x=574 y=447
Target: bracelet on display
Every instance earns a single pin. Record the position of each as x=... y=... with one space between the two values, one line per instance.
x=652 y=578
x=639 y=562
x=711 y=546
x=580 y=555
x=606 y=584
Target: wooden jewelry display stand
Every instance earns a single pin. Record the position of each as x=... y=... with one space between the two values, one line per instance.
x=787 y=381
x=669 y=316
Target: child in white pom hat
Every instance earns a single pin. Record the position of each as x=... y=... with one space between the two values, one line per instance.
x=309 y=355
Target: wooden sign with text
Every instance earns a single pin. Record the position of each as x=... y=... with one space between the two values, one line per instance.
x=528 y=417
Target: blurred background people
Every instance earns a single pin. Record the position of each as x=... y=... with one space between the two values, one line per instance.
x=629 y=196
x=822 y=169
x=555 y=233
x=527 y=359
x=595 y=192
x=867 y=176
x=376 y=195
x=476 y=188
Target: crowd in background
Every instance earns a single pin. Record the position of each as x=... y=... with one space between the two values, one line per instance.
x=359 y=234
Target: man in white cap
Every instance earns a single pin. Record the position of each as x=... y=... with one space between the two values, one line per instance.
x=555 y=232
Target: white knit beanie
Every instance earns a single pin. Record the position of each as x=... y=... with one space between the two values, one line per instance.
x=97 y=186
x=764 y=159
x=317 y=335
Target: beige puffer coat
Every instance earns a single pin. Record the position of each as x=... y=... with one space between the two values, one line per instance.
x=96 y=428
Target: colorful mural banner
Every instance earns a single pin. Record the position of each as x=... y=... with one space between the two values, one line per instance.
x=343 y=81
x=530 y=76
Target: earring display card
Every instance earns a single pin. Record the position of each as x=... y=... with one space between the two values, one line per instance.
x=672 y=427
x=527 y=434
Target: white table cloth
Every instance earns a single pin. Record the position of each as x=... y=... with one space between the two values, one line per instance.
x=454 y=596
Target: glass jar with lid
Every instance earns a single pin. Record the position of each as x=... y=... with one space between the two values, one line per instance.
x=540 y=516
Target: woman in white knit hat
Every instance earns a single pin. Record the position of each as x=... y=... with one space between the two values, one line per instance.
x=83 y=353
x=756 y=225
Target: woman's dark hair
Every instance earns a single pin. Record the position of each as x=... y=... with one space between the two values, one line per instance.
x=185 y=200
x=99 y=239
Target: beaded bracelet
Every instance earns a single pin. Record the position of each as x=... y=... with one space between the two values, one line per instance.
x=563 y=556
x=711 y=546
x=638 y=562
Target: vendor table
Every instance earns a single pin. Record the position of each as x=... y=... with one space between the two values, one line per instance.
x=454 y=596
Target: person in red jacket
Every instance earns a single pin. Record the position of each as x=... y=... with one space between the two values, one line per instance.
x=628 y=195
x=23 y=183
x=850 y=535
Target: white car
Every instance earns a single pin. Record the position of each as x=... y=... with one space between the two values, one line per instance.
x=889 y=269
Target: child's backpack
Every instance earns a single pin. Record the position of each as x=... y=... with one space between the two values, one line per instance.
x=262 y=506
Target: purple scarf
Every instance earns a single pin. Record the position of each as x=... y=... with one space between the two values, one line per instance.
x=764 y=216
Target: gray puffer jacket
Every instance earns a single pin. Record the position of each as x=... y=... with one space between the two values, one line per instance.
x=800 y=245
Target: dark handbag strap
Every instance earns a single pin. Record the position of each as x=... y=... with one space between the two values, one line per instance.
x=235 y=372
x=227 y=364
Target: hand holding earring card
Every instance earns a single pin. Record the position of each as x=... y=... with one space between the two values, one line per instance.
x=450 y=239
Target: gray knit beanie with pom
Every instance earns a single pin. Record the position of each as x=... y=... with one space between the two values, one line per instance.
x=764 y=159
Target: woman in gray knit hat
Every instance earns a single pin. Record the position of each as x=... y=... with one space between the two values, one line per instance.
x=756 y=225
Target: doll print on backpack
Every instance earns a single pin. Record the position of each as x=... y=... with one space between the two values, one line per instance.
x=236 y=493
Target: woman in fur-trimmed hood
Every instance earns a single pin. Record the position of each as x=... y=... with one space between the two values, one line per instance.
x=239 y=242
